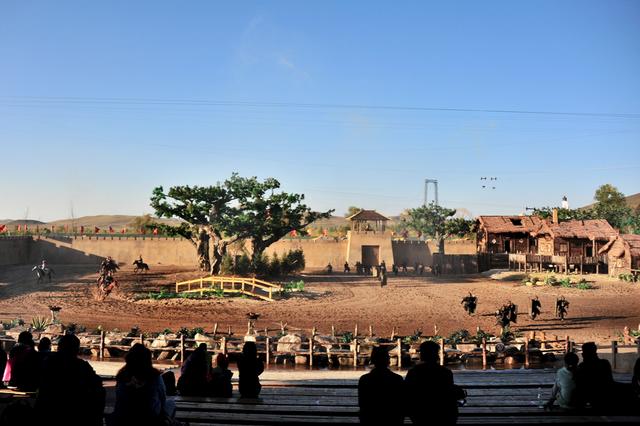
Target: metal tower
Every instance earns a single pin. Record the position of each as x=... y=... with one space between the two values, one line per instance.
x=426 y=189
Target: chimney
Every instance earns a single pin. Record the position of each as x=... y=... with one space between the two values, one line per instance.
x=554 y=218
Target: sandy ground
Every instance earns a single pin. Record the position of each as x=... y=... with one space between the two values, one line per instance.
x=408 y=303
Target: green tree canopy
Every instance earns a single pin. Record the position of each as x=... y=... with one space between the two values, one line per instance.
x=430 y=221
x=352 y=210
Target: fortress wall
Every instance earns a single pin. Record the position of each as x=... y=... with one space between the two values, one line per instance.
x=15 y=250
x=317 y=253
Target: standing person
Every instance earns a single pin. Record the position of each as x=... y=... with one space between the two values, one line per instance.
x=221 y=378
x=381 y=393
x=249 y=368
x=564 y=388
x=635 y=380
x=594 y=379
x=67 y=379
x=430 y=390
x=561 y=307
x=347 y=269
x=383 y=278
x=513 y=312
x=535 y=307
x=141 y=397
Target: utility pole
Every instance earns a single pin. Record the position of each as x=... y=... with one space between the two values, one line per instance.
x=426 y=189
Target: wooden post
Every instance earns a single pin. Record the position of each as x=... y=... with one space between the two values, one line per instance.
x=567 y=344
x=182 y=348
x=311 y=351
x=223 y=345
x=370 y=330
x=399 y=353
x=441 y=351
x=215 y=329
x=249 y=327
x=526 y=353
x=355 y=352
x=333 y=330
x=101 y=353
x=614 y=354
x=355 y=333
x=229 y=332
x=484 y=353
x=142 y=339
x=393 y=332
x=268 y=350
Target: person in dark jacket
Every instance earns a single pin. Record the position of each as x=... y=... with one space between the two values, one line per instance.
x=432 y=396
x=221 y=378
x=381 y=392
x=249 y=368
x=196 y=373
x=23 y=368
x=594 y=379
x=70 y=383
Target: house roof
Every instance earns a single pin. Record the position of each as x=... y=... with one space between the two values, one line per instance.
x=367 y=215
x=634 y=243
x=594 y=229
x=511 y=224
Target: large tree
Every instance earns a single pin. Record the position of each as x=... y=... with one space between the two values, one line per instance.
x=238 y=209
x=431 y=221
x=611 y=205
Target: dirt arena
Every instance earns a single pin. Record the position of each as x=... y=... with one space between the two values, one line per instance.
x=408 y=303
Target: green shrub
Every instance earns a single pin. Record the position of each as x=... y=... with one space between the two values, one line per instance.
x=228 y=266
x=40 y=323
x=275 y=266
x=459 y=336
x=584 y=286
x=481 y=334
x=565 y=282
x=550 y=280
x=293 y=262
x=261 y=265
x=413 y=338
x=243 y=265
x=346 y=337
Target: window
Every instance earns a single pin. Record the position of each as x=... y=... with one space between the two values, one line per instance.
x=564 y=247
x=516 y=222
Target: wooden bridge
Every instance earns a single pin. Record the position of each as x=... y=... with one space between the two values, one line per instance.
x=229 y=285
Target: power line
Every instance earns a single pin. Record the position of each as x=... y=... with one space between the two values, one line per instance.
x=282 y=105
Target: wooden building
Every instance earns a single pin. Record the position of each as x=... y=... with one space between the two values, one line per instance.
x=508 y=234
x=623 y=253
x=575 y=238
x=368 y=221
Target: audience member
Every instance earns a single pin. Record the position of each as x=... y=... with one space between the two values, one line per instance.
x=381 y=392
x=221 y=378
x=635 y=381
x=140 y=393
x=594 y=379
x=432 y=396
x=249 y=368
x=564 y=388
x=70 y=384
x=3 y=363
x=195 y=374
x=22 y=369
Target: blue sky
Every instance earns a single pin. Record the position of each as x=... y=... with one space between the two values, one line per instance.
x=102 y=101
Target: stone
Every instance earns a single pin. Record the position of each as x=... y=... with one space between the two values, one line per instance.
x=289 y=343
x=164 y=355
x=203 y=338
x=301 y=360
x=160 y=342
x=250 y=338
x=111 y=338
x=54 y=329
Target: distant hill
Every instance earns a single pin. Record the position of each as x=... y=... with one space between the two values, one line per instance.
x=633 y=201
x=29 y=222
x=103 y=221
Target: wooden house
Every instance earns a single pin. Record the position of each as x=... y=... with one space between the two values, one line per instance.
x=623 y=253
x=575 y=238
x=508 y=234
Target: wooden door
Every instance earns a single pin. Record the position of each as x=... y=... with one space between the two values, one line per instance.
x=370 y=255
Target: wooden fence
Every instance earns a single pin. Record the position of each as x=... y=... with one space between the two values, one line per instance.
x=235 y=285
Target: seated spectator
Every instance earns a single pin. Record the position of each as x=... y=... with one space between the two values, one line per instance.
x=140 y=393
x=70 y=384
x=381 y=392
x=22 y=369
x=44 y=349
x=594 y=379
x=195 y=374
x=3 y=363
x=635 y=381
x=249 y=368
x=564 y=388
x=432 y=396
x=221 y=378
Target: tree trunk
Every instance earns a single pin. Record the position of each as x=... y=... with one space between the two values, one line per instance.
x=257 y=249
x=202 y=248
x=441 y=245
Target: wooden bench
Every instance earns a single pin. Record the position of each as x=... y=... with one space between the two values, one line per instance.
x=505 y=397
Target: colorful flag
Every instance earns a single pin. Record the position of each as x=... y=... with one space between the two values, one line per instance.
x=155 y=231
x=110 y=229
x=123 y=230
x=294 y=233
x=324 y=232
x=96 y=229
x=3 y=228
x=81 y=230
x=19 y=228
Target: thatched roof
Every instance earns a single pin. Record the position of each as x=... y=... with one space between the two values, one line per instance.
x=634 y=243
x=510 y=224
x=364 y=215
x=595 y=229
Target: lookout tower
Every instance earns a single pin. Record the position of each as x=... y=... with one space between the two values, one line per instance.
x=369 y=242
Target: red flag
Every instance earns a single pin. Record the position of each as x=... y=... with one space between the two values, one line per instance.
x=3 y=228
x=123 y=230
x=324 y=232
x=26 y=227
x=19 y=228
x=110 y=229
x=96 y=229
x=81 y=230
x=155 y=231
x=143 y=231
x=294 y=233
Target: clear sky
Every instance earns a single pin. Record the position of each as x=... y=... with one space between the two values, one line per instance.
x=339 y=100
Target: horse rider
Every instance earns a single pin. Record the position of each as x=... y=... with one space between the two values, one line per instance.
x=535 y=307
x=561 y=307
x=470 y=303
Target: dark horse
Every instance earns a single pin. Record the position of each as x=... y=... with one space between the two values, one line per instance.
x=42 y=272
x=140 y=266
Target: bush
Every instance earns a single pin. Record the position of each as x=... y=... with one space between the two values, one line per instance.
x=346 y=337
x=275 y=266
x=550 y=280
x=565 y=282
x=481 y=334
x=40 y=323
x=261 y=265
x=293 y=262
x=243 y=265
x=227 y=267
x=459 y=336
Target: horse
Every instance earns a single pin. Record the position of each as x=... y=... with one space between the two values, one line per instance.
x=140 y=266
x=105 y=287
x=42 y=272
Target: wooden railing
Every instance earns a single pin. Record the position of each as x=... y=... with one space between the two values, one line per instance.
x=238 y=285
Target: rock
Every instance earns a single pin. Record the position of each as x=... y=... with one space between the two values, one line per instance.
x=15 y=331
x=250 y=338
x=164 y=355
x=160 y=342
x=54 y=329
x=203 y=338
x=466 y=347
x=301 y=360
x=111 y=338
x=289 y=343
